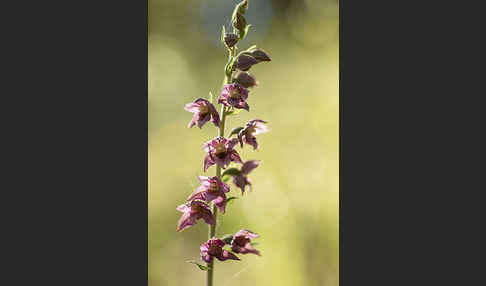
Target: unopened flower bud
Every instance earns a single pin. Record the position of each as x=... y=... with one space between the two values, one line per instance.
x=239 y=22
x=260 y=55
x=244 y=62
x=242 y=7
x=245 y=79
x=230 y=39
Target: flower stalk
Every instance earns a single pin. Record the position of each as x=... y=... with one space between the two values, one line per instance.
x=212 y=228
x=203 y=204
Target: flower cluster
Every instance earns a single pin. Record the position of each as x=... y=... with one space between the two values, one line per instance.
x=211 y=194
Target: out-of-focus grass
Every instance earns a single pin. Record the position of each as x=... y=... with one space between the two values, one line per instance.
x=294 y=203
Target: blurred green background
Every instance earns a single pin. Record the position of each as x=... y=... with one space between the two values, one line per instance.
x=294 y=204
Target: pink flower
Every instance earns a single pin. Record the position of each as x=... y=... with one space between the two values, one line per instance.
x=241 y=242
x=234 y=95
x=211 y=189
x=252 y=128
x=193 y=211
x=203 y=112
x=214 y=248
x=220 y=151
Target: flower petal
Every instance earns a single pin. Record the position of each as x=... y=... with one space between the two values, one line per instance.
x=198 y=195
x=183 y=208
x=192 y=107
x=204 y=180
x=243 y=105
x=235 y=157
x=207 y=258
x=215 y=119
x=240 y=182
x=231 y=143
x=249 y=166
x=220 y=203
x=208 y=217
x=208 y=162
x=225 y=255
x=185 y=221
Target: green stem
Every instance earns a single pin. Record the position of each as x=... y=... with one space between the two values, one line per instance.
x=212 y=228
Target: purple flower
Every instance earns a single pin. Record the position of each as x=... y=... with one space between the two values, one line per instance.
x=220 y=151
x=193 y=211
x=203 y=112
x=252 y=128
x=214 y=248
x=241 y=242
x=241 y=180
x=211 y=189
x=234 y=95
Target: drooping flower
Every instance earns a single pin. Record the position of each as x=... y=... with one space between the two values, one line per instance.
x=241 y=180
x=203 y=112
x=192 y=211
x=234 y=95
x=220 y=151
x=246 y=80
x=260 y=55
x=252 y=128
x=211 y=189
x=241 y=242
x=214 y=248
x=245 y=61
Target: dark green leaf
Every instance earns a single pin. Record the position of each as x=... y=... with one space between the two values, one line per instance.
x=232 y=172
x=230 y=199
x=226 y=178
x=235 y=130
x=202 y=267
x=227 y=238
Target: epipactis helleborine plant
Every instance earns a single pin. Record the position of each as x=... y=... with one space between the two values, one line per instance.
x=211 y=195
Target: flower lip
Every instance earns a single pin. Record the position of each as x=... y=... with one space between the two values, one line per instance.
x=204 y=109
x=213 y=187
x=234 y=94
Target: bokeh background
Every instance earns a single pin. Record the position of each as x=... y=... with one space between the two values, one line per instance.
x=294 y=204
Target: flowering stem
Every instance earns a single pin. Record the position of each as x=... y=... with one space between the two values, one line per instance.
x=212 y=228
